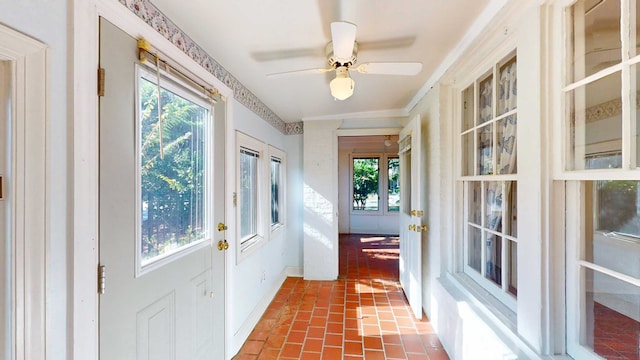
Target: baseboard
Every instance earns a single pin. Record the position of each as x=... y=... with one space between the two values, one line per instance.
x=294 y=271
x=252 y=320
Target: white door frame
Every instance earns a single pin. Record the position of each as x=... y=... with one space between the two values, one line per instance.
x=85 y=337
x=28 y=208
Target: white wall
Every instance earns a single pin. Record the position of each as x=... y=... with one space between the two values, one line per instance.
x=320 y=200
x=249 y=293
x=47 y=22
x=295 y=208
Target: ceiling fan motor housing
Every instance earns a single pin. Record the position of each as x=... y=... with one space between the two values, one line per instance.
x=336 y=62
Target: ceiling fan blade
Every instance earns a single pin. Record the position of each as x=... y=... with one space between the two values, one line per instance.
x=263 y=56
x=343 y=36
x=299 y=72
x=385 y=44
x=392 y=68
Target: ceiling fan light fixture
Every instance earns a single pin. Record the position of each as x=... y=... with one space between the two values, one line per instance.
x=342 y=86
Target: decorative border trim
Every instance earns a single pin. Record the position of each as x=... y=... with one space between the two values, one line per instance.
x=147 y=12
x=607 y=109
x=296 y=128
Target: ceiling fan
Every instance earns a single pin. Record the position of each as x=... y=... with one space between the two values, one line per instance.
x=342 y=54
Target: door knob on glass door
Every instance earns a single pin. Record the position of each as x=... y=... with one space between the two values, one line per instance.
x=412 y=227
x=222 y=227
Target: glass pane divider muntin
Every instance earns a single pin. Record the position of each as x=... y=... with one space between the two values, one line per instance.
x=483 y=234
x=614 y=274
x=592 y=78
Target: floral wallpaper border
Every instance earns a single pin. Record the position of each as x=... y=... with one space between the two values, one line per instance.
x=146 y=11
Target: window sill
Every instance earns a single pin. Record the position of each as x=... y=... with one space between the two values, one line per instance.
x=483 y=299
x=493 y=313
x=249 y=247
x=276 y=230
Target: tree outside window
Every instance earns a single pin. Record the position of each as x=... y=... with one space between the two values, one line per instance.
x=366 y=174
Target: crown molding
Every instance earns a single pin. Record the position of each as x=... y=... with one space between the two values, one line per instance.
x=378 y=114
x=153 y=17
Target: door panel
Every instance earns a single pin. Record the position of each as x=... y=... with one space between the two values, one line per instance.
x=173 y=310
x=411 y=214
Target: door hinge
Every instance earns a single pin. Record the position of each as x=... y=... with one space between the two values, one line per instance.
x=102 y=278
x=100 y=81
x=235 y=199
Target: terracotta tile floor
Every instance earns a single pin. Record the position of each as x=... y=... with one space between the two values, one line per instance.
x=615 y=336
x=362 y=315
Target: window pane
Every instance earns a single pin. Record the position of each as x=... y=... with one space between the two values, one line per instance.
x=493 y=199
x=475 y=248
x=493 y=271
x=611 y=316
x=394 y=184
x=512 y=253
x=596 y=124
x=173 y=181
x=467 y=108
x=507 y=87
x=475 y=203
x=365 y=184
x=485 y=150
x=612 y=238
x=485 y=100
x=275 y=191
x=596 y=37
x=506 y=136
x=468 y=149
x=248 y=195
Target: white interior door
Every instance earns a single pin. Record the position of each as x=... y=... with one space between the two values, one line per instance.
x=411 y=214
x=164 y=287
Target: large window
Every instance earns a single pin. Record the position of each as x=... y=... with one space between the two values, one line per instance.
x=173 y=143
x=488 y=130
x=375 y=184
x=602 y=126
x=393 y=184
x=252 y=193
x=278 y=166
x=366 y=176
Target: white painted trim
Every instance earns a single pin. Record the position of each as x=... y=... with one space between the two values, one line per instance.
x=83 y=343
x=368 y=132
x=391 y=113
x=28 y=196
x=252 y=319
x=294 y=271
x=276 y=229
x=263 y=224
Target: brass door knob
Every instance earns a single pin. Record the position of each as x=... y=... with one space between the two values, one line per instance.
x=222 y=227
x=223 y=245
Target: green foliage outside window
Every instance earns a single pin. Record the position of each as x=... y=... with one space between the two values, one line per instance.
x=172 y=183
x=365 y=184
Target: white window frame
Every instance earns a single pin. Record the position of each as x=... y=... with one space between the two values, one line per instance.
x=574 y=181
x=281 y=156
x=185 y=91
x=245 y=247
x=385 y=185
x=500 y=293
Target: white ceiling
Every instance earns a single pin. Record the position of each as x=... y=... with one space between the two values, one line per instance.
x=253 y=38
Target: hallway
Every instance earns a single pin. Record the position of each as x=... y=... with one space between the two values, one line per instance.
x=362 y=315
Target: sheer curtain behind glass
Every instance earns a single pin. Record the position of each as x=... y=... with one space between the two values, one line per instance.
x=497 y=191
